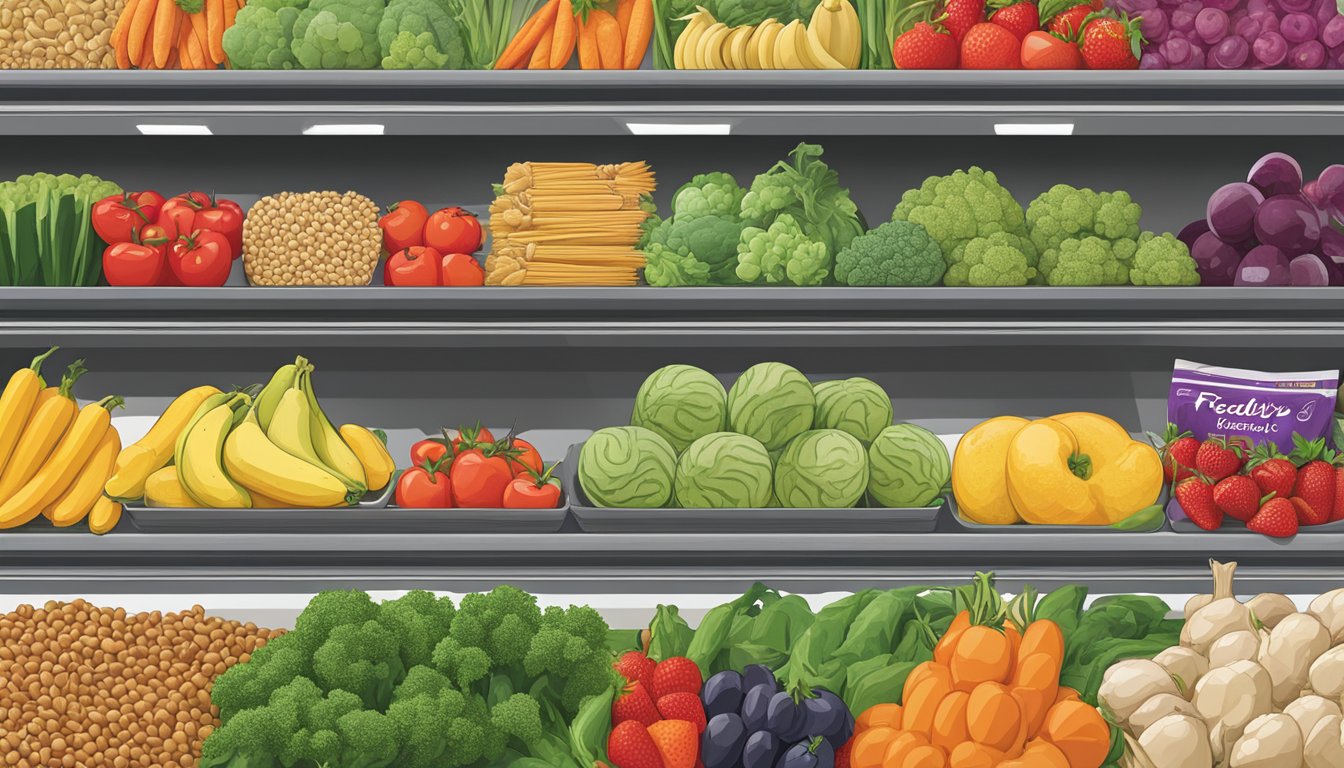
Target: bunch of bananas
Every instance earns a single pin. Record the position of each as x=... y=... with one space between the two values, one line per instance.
x=230 y=450
x=54 y=455
x=831 y=39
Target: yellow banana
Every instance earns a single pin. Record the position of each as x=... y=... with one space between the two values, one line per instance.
x=292 y=431
x=17 y=401
x=683 y=52
x=333 y=451
x=834 y=27
x=791 y=47
x=104 y=516
x=164 y=490
x=761 y=50
x=201 y=468
x=144 y=457
x=257 y=463
x=56 y=475
x=207 y=405
x=708 y=50
x=372 y=453
x=735 y=47
x=42 y=433
x=79 y=498
x=268 y=399
x=821 y=58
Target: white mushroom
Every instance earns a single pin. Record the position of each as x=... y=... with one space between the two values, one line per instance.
x=1177 y=741
x=1220 y=616
x=1293 y=645
x=1270 y=608
x=1325 y=744
x=1329 y=609
x=1233 y=695
x=1184 y=664
x=1269 y=741
x=1326 y=675
x=1156 y=708
x=1127 y=684
x=1242 y=645
x=1310 y=710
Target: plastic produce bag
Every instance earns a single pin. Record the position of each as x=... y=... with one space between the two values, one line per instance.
x=1251 y=407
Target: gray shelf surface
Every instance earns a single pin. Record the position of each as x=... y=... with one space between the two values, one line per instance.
x=604 y=103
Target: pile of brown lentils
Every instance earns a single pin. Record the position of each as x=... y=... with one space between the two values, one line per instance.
x=311 y=238
x=84 y=686
x=58 y=34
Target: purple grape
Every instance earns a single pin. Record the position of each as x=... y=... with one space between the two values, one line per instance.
x=1153 y=24
x=1332 y=34
x=1299 y=28
x=1330 y=188
x=1211 y=25
x=1308 y=55
x=1268 y=20
x=1325 y=11
x=1247 y=28
x=1183 y=18
x=1152 y=60
x=1177 y=52
x=1309 y=269
x=1264 y=265
x=1270 y=49
x=1231 y=211
x=1260 y=6
x=1216 y=261
x=1332 y=243
x=1276 y=174
x=1289 y=223
x=1191 y=232
x=1223 y=5
x=1297 y=6
x=1230 y=53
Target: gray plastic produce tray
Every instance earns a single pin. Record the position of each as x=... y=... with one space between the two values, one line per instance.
x=189 y=520
x=723 y=521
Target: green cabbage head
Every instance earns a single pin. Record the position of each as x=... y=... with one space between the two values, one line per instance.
x=908 y=466
x=823 y=469
x=627 y=467
x=681 y=403
x=857 y=406
x=771 y=402
x=724 y=471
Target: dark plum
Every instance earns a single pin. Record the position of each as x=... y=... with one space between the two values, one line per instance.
x=1191 y=232
x=758 y=674
x=1276 y=174
x=756 y=707
x=809 y=753
x=823 y=715
x=721 y=743
x=722 y=693
x=761 y=750
x=1216 y=260
x=785 y=717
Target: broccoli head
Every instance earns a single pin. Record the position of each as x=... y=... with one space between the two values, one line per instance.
x=960 y=207
x=710 y=239
x=998 y=260
x=706 y=194
x=1163 y=260
x=420 y=34
x=570 y=652
x=298 y=726
x=781 y=254
x=419 y=620
x=338 y=34
x=665 y=268
x=1064 y=212
x=364 y=659
x=262 y=35
x=329 y=610
x=895 y=253
x=250 y=685
x=1086 y=262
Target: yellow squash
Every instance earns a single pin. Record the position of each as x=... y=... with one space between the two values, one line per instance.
x=79 y=498
x=372 y=453
x=153 y=451
x=979 y=472
x=1047 y=477
x=41 y=434
x=1126 y=473
x=164 y=490
x=56 y=475
x=16 y=404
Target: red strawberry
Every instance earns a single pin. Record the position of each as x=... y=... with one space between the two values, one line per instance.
x=842 y=754
x=634 y=704
x=960 y=15
x=677 y=741
x=1020 y=18
x=1068 y=23
x=676 y=674
x=1338 y=509
x=1217 y=459
x=631 y=746
x=1237 y=496
x=925 y=46
x=683 y=706
x=1276 y=476
x=635 y=666
x=1276 y=518
x=1178 y=448
x=989 y=46
x=1111 y=43
x=1306 y=514
x=1196 y=498
x=1316 y=487
x=1042 y=50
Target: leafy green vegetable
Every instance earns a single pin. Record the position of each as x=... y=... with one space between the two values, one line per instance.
x=669 y=634
x=489 y=25
x=807 y=190
x=715 y=627
x=46 y=230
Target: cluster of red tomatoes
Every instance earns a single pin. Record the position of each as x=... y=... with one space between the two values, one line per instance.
x=431 y=249
x=190 y=239
x=475 y=471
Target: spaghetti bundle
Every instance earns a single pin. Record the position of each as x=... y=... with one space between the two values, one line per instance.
x=569 y=224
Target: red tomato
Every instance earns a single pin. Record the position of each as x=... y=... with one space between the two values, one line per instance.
x=133 y=264
x=424 y=487
x=431 y=449
x=117 y=217
x=461 y=271
x=226 y=218
x=526 y=458
x=403 y=226
x=178 y=215
x=453 y=230
x=413 y=266
x=527 y=493
x=472 y=437
x=156 y=236
x=1042 y=50
x=479 y=480
x=201 y=259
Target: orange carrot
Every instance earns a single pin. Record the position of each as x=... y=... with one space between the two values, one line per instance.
x=608 y=36
x=1038 y=754
x=1014 y=643
x=921 y=703
x=121 y=35
x=147 y=51
x=140 y=29
x=541 y=55
x=870 y=747
x=878 y=715
x=942 y=652
x=200 y=31
x=925 y=757
x=566 y=30
x=636 y=31
x=1034 y=703
x=969 y=754
x=949 y=722
x=624 y=10
x=521 y=46
x=165 y=27
x=587 y=44
x=183 y=49
x=1045 y=637
x=200 y=48
x=1079 y=732
x=994 y=718
x=230 y=14
x=983 y=655
x=902 y=746
x=1066 y=694
x=214 y=18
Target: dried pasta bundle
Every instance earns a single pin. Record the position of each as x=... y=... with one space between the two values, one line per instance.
x=569 y=224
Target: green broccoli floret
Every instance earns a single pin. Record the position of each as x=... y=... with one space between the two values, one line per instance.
x=808 y=190
x=419 y=620
x=338 y=34
x=421 y=681
x=712 y=240
x=262 y=34
x=253 y=738
x=1163 y=260
x=364 y=659
x=1090 y=261
x=961 y=206
x=781 y=254
x=570 y=652
x=298 y=726
x=1064 y=212
x=411 y=51
x=998 y=260
x=327 y=611
x=895 y=253
x=369 y=738
x=420 y=34
x=665 y=268
x=519 y=716
x=706 y=194
x=250 y=685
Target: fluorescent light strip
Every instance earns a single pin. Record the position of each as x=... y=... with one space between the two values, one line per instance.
x=347 y=129
x=680 y=129
x=1033 y=129
x=174 y=130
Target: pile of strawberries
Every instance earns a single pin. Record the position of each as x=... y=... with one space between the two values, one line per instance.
x=1018 y=34
x=1271 y=493
x=658 y=717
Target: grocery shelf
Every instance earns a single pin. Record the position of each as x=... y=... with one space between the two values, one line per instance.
x=606 y=103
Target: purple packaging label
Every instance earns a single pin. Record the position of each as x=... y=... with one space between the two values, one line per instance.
x=1251 y=407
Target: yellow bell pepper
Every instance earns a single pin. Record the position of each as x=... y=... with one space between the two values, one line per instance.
x=979 y=472
x=1047 y=476
x=1126 y=473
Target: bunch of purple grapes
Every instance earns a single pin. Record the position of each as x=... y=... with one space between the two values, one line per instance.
x=1272 y=229
x=1238 y=34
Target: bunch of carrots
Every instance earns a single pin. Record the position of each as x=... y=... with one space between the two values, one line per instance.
x=603 y=39
x=989 y=698
x=173 y=34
